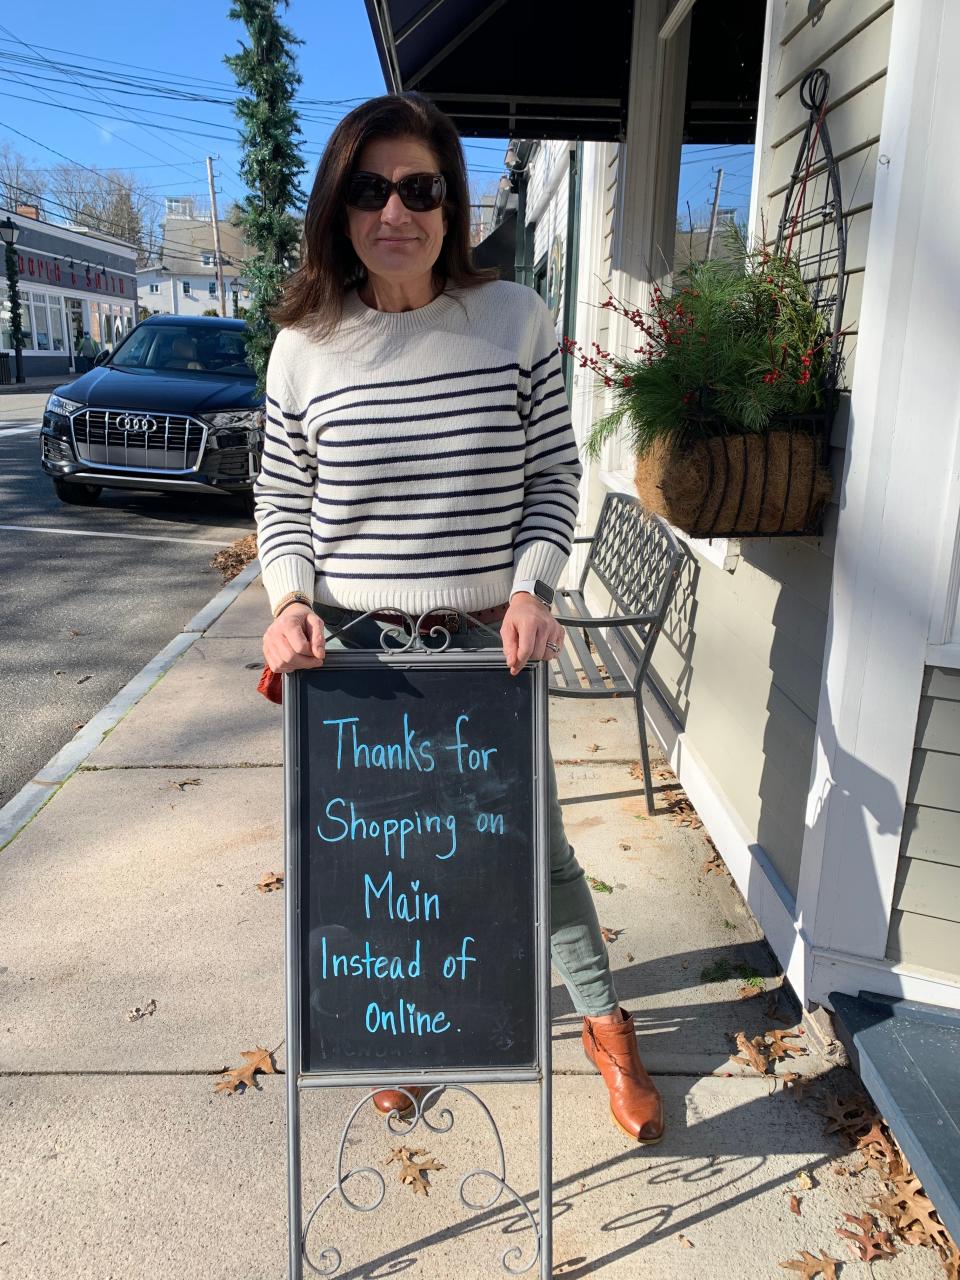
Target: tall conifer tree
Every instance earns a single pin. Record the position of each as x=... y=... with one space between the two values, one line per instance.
x=267 y=74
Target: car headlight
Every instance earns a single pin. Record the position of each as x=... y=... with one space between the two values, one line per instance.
x=235 y=419
x=57 y=404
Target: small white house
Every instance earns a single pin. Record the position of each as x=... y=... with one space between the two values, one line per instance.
x=183 y=280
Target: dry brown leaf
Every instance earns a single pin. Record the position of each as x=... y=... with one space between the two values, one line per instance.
x=636 y=771
x=804 y=1180
x=232 y=559
x=271 y=881
x=714 y=865
x=185 y=782
x=748 y=993
x=594 y=746
x=258 y=1059
x=867 y=1242
x=795 y=1205
x=413 y=1171
x=778 y=1046
x=752 y=1053
x=609 y=935
x=810 y=1266
x=682 y=1239
x=845 y=1115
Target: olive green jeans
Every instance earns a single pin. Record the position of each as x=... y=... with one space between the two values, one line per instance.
x=576 y=944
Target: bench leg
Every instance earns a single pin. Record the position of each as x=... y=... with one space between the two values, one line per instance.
x=644 y=753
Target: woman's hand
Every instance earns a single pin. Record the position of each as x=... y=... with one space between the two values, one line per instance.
x=528 y=627
x=294 y=641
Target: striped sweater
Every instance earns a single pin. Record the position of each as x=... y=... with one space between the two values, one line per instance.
x=418 y=458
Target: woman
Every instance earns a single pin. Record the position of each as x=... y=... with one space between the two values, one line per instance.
x=419 y=454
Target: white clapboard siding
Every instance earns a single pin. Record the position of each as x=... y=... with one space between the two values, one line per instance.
x=925 y=926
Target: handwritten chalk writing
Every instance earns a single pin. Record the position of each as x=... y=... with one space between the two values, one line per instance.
x=409 y=754
x=402 y=906
x=492 y=822
x=475 y=758
x=391 y=832
x=366 y=964
x=408 y=1020
x=451 y=963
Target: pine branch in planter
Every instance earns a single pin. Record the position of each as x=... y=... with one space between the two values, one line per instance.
x=734 y=348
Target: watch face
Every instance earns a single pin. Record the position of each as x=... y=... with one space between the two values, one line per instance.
x=543 y=592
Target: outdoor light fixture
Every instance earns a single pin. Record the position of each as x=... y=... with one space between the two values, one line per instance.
x=10 y=234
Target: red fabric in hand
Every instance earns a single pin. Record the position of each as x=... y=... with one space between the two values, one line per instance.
x=271 y=685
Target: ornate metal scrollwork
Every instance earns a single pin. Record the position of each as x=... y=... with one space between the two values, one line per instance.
x=329 y=1260
x=409 y=634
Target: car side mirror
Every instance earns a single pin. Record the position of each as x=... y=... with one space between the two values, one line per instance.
x=102 y=356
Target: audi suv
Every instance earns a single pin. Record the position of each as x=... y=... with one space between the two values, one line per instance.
x=174 y=407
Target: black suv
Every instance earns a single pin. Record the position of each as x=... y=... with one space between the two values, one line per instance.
x=174 y=407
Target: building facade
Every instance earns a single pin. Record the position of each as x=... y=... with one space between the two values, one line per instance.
x=70 y=282
x=183 y=280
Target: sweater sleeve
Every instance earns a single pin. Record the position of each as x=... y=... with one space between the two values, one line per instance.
x=552 y=467
x=284 y=491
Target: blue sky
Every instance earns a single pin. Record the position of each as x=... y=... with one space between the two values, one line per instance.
x=181 y=43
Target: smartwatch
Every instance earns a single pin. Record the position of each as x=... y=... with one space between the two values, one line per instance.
x=535 y=587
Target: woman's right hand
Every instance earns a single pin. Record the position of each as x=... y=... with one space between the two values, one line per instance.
x=294 y=641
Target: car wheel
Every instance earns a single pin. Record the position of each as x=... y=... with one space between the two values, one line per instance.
x=78 y=495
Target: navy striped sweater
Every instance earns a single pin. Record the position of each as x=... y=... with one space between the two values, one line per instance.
x=418 y=458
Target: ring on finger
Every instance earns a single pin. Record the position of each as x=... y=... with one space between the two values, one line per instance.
x=555 y=648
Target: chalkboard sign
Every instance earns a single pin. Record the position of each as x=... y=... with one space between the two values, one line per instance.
x=416 y=804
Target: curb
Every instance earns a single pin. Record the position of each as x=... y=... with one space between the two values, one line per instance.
x=33 y=795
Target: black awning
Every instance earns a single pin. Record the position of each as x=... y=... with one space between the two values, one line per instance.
x=723 y=74
x=509 y=68
x=499 y=248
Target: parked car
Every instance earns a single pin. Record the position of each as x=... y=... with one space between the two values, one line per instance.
x=173 y=407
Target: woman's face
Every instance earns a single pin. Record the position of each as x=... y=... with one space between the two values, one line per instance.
x=394 y=243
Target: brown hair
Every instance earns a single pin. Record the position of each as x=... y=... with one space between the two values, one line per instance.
x=313 y=295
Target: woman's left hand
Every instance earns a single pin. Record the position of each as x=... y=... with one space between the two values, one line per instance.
x=528 y=627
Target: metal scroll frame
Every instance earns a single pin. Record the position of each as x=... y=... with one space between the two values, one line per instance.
x=413 y=646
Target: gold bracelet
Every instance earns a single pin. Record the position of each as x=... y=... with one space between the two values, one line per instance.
x=294 y=597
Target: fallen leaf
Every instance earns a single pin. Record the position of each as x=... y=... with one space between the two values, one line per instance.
x=594 y=746
x=607 y=719
x=599 y=886
x=682 y=1239
x=258 y=1059
x=747 y=993
x=752 y=1053
x=629 y=957
x=714 y=866
x=186 y=782
x=636 y=771
x=609 y=935
x=847 y=1116
x=84 y=679
x=810 y=1266
x=413 y=1171
x=804 y=1181
x=271 y=881
x=795 y=1205
x=134 y=1015
x=867 y=1243
x=778 y=1046
x=79 y=724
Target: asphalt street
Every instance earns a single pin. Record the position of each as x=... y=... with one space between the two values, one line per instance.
x=89 y=595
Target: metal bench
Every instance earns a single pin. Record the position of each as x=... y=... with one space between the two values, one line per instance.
x=636 y=559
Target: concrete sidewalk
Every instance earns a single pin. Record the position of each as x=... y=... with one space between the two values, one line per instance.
x=137 y=882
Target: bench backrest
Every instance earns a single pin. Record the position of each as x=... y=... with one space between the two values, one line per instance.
x=637 y=558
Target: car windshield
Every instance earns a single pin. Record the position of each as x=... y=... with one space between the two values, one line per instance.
x=184 y=349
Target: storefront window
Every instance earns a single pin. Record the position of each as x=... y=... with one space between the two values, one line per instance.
x=41 y=322
x=25 y=316
x=6 y=337
x=56 y=324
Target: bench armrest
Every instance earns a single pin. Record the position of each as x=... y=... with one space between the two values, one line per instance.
x=587 y=538
x=622 y=620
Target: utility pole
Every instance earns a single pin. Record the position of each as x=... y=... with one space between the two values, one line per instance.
x=218 y=259
x=713 y=215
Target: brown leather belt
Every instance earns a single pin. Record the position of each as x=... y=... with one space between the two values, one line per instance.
x=450 y=619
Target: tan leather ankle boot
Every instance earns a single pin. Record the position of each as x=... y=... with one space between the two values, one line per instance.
x=387 y=1100
x=635 y=1102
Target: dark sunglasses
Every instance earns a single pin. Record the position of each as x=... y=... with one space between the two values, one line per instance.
x=419 y=192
